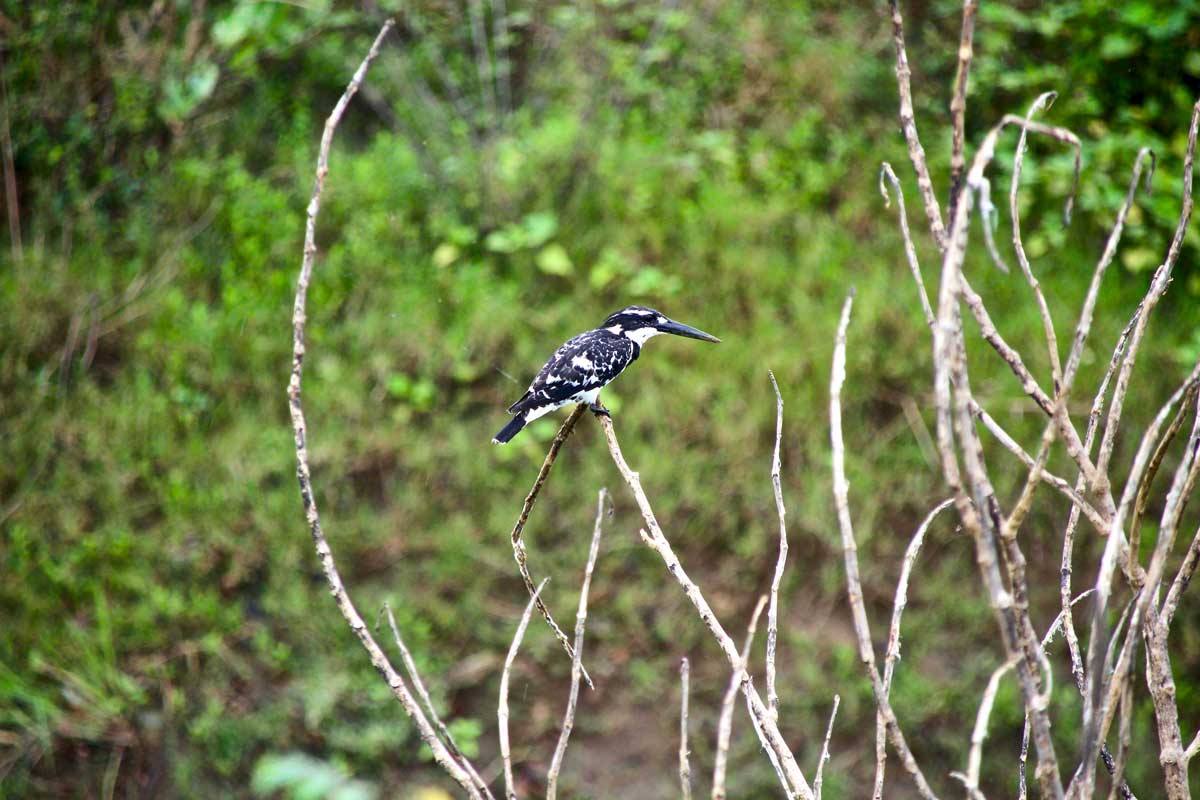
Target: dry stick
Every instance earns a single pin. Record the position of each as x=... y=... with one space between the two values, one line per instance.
x=824 y=758
x=685 y=769
x=725 y=720
x=1182 y=578
x=979 y=510
x=760 y=733
x=1159 y=677
x=1158 y=288
x=519 y=546
x=908 y=122
x=1193 y=748
x=1059 y=621
x=1040 y=104
x=781 y=562
x=1073 y=360
x=502 y=707
x=766 y=727
x=410 y=666
x=1143 y=494
x=892 y=653
x=910 y=252
x=970 y=780
x=841 y=489
x=568 y=725
x=1125 y=738
x=958 y=103
x=1098 y=686
x=300 y=430
x=1110 y=250
x=1077 y=500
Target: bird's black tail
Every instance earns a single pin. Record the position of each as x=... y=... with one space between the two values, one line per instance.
x=510 y=430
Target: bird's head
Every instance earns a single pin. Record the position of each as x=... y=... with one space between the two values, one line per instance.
x=639 y=323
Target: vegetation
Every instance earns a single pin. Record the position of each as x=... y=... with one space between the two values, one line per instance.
x=500 y=184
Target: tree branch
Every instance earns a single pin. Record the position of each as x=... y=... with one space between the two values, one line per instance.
x=379 y=660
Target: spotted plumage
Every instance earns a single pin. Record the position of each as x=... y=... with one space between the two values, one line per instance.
x=587 y=363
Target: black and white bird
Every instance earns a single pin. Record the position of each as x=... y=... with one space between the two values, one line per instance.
x=587 y=363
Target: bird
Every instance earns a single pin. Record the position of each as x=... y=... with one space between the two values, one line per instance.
x=586 y=363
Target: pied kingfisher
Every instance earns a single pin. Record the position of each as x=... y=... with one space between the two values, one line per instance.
x=587 y=363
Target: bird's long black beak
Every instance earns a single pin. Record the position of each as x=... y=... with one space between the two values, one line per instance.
x=679 y=329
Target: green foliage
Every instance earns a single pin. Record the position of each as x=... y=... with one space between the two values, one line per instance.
x=718 y=162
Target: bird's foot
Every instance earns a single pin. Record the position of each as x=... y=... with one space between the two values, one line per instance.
x=599 y=410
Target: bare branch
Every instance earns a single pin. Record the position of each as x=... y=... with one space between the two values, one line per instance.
x=1094 y=702
x=502 y=709
x=1158 y=287
x=971 y=779
x=410 y=666
x=841 y=489
x=979 y=510
x=1143 y=493
x=519 y=546
x=817 y=780
x=781 y=563
x=1182 y=578
x=958 y=103
x=1110 y=250
x=1040 y=104
x=910 y=252
x=1194 y=748
x=892 y=654
x=908 y=122
x=685 y=769
x=379 y=659
x=768 y=728
x=725 y=720
x=568 y=725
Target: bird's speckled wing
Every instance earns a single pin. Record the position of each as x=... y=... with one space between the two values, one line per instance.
x=584 y=362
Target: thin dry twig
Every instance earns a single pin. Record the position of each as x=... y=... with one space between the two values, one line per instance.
x=725 y=720
x=766 y=727
x=1182 y=578
x=685 y=769
x=970 y=780
x=510 y=792
x=979 y=509
x=908 y=122
x=379 y=660
x=1158 y=287
x=892 y=653
x=781 y=562
x=568 y=725
x=824 y=757
x=1097 y=683
x=1073 y=360
x=410 y=666
x=1059 y=484
x=841 y=489
x=886 y=173
x=1042 y=103
x=518 y=544
x=958 y=103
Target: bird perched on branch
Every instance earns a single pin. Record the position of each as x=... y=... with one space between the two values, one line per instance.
x=587 y=363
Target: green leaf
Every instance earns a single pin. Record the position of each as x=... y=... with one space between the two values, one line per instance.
x=540 y=227
x=553 y=259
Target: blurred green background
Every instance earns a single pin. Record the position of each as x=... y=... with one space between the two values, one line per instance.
x=511 y=173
